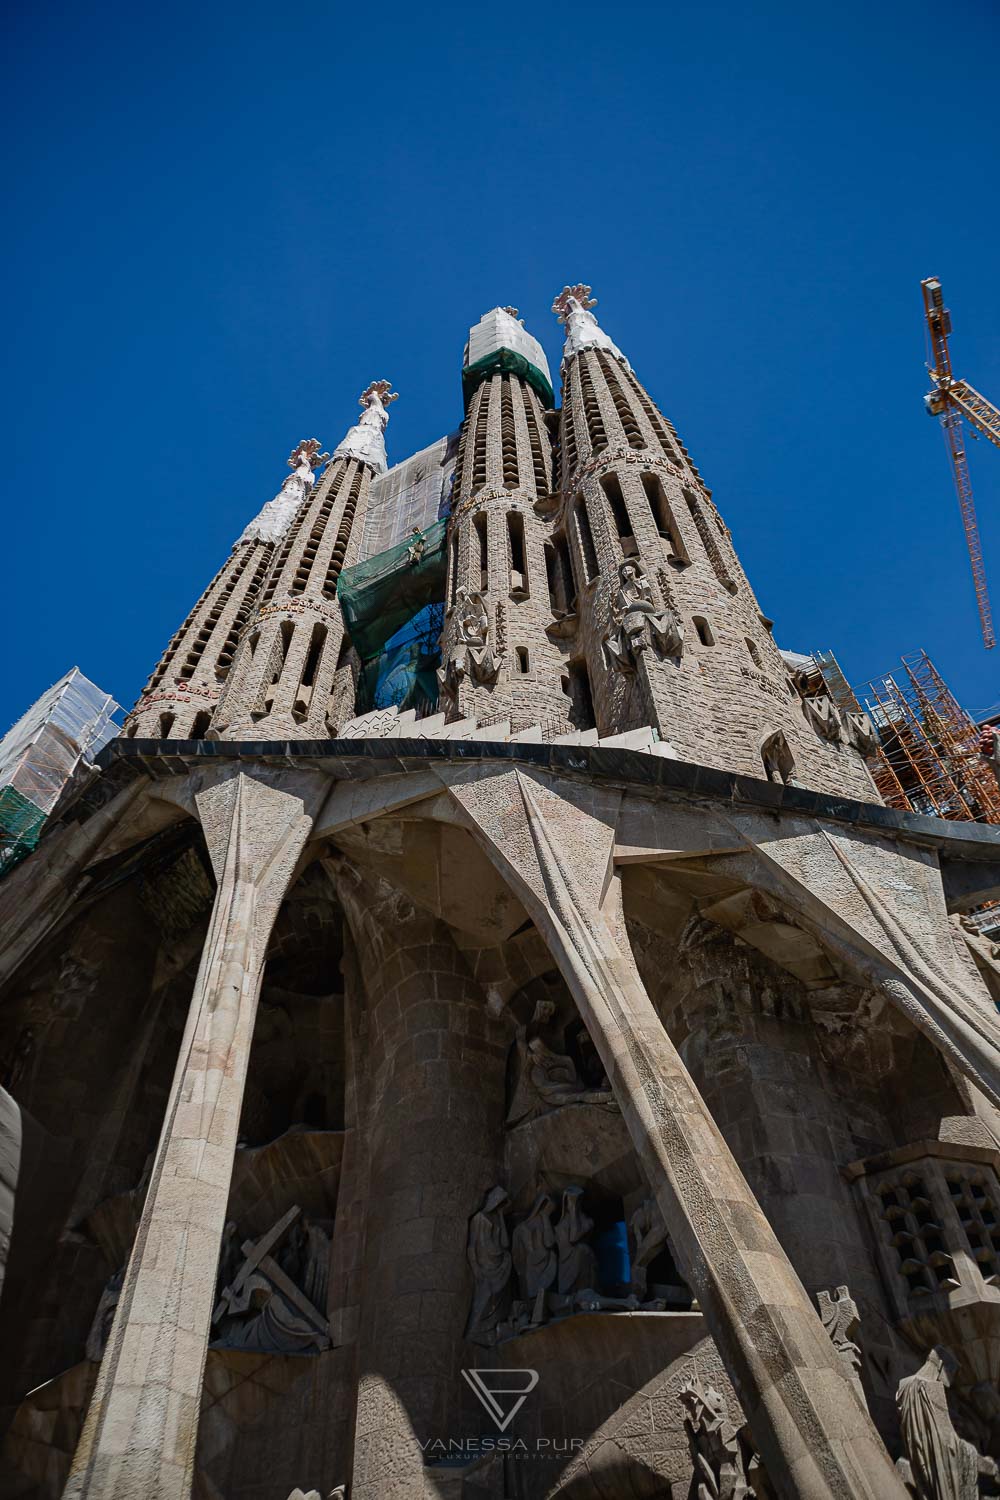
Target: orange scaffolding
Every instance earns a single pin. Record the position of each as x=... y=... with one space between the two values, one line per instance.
x=929 y=759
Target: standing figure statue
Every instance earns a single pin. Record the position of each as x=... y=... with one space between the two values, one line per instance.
x=577 y=1261
x=636 y=621
x=489 y=1256
x=939 y=1465
x=534 y=1244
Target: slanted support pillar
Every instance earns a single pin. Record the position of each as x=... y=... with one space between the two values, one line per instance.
x=139 y=1436
x=815 y=1438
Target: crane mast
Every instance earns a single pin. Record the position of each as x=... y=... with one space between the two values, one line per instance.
x=951 y=400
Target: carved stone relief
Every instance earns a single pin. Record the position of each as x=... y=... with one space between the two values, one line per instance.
x=636 y=623
x=273 y=1301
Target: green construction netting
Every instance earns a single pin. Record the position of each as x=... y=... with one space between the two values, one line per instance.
x=393 y=607
x=20 y=827
x=506 y=362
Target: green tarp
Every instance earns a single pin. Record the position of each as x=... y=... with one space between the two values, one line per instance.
x=505 y=362
x=393 y=608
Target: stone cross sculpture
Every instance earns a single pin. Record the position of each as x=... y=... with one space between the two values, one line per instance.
x=719 y=1470
x=262 y=1308
x=490 y=1258
x=636 y=621
x=939 y=1465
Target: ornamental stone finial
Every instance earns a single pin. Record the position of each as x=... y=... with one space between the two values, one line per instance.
x=572 y=307
x=366 y=440
x=273 y=521
x=570 y=297
x=306 y=455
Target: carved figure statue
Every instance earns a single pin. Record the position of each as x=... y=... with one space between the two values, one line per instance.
x=534 y=1249
x=635 y=620
x=940 y=1464
x=842 y=1320
x=649 y=1235
x=417 y=547
x=472 y=651
x=490 y=1258
x=577 y=1261
x=100 y=1328
x=719 y=1471
x=549 y=1080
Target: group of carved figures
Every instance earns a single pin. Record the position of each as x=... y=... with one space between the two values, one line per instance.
x=548 y=1268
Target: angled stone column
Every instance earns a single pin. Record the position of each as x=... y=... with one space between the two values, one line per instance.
x=815 y=1438
x=139 y=1437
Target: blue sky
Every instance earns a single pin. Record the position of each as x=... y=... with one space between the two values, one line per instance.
x=226 y=219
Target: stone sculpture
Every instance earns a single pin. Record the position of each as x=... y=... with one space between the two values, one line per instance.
x=649 y=1235
x=939 y=1465
x=636 y=621
x=861 y=732
x=534 y=1250
x=472 y=652
x=549 y=1080
x=719 y=1470
x=100 y=1328
x=577 y=1261
x=263 y=1308
x=841 y=1320
x=821 y=711
x=490 y=1258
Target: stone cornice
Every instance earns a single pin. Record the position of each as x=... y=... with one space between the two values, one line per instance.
x=646 y=775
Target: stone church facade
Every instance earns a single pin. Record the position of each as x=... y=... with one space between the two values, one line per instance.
x=581 y=1086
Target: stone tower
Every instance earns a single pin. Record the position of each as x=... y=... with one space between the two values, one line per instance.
x=285 y=674
x=667 y=623
x=499 y=658
x=180 y=698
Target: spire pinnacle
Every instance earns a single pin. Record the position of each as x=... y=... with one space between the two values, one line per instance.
x=366 y=440
x=275 y=518
x=572 y=307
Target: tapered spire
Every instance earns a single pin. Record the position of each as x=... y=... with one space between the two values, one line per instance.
x=277 y=515
x=583 y=331
x=366 y=440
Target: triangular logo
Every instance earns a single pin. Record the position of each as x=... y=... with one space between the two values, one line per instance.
x=489 y=1385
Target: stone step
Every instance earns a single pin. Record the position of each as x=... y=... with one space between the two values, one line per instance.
x=632 y=739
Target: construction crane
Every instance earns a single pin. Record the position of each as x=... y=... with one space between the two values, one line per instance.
x=951 y=400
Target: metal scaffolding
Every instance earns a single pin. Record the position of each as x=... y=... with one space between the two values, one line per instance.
x=929 y=759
